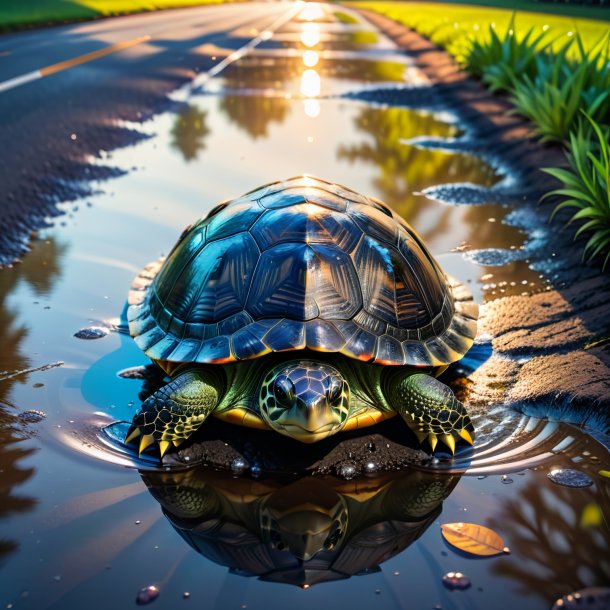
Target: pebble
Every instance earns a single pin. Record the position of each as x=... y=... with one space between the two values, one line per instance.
x=456 y=580
x=570 y=477
x=239 y=466
x=92 y=332
x=147 y=595
x=31 y=416
x=347 y=470
x=506 y=479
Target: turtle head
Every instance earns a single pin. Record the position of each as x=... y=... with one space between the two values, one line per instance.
x=305 y=399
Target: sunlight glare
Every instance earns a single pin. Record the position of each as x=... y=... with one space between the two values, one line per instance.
x=310 y=36
x=310 y=58
x=310 y=83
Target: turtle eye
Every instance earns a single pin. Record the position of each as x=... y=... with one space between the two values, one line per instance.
x=334 y=392
x=283 y=389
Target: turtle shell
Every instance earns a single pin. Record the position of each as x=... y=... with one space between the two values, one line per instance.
x=301 y=264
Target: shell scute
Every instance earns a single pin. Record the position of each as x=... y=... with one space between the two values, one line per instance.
x=285 y=335
x=235 y=218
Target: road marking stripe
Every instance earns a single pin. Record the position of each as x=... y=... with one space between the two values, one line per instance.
x=70 y=63
x=20 y=80
x=182 y=93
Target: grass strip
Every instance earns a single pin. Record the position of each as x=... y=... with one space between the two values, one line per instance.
x=17 y=14
x=556 y=71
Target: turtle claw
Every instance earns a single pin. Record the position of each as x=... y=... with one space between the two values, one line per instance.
x=449 y=441
x=132 y=435
x=163 y=447
x=145 y=442
x=466 y=436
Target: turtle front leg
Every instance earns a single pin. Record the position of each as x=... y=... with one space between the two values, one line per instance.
x=175 y=412
x=430 y=409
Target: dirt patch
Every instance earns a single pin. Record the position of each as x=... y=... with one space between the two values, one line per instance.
x=550 y=355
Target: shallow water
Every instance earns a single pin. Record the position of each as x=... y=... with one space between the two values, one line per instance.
x=81 y=530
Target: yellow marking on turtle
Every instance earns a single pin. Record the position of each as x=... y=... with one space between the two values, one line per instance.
x=366 y=419
x=242 y=417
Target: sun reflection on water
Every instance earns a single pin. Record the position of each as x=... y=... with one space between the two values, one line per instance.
x=310 y=36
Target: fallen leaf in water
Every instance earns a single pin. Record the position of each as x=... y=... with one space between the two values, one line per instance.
x=605 y=473
x=591 y=515
x=474 y=539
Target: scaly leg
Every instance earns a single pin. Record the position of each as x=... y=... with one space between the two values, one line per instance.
x=176 y=411
x=430 y=409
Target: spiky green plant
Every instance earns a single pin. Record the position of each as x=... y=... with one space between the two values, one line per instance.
x=499 y=60
x=559 y=89
x=587 y=187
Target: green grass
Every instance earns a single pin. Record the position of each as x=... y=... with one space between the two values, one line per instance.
x=587 y=187
x=454 y=26
x=554 y=96
x=16 y=14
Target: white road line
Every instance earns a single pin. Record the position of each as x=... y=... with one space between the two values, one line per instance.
x=182 y=93
x=11 y=83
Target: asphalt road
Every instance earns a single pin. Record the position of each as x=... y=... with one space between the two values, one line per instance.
x=64 y=92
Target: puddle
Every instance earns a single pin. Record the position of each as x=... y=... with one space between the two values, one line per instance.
x=80 y=531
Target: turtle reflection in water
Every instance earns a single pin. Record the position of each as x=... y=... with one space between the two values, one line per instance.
x=304 y=308
x=313 y=530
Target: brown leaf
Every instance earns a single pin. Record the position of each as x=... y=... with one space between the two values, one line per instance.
x=474 y=539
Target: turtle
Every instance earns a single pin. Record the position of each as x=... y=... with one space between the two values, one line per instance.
x=305 y=308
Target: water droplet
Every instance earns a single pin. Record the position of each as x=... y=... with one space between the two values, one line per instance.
x=38 y=385
x=481 y=477
x=57 y=577
x=256 y=471
x=456 y=580
x=347 y=470
x=239 y=466
x=506 y=479
x=370 y=467
x=91 y=332
x=377 y=591
x=147 y=595
x=137 y=522
x=371 y=446
x=186 y=595
x=570 y=477
x=31 y=416
x=592 y=598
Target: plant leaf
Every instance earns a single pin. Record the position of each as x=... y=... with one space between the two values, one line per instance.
x=473 y=539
